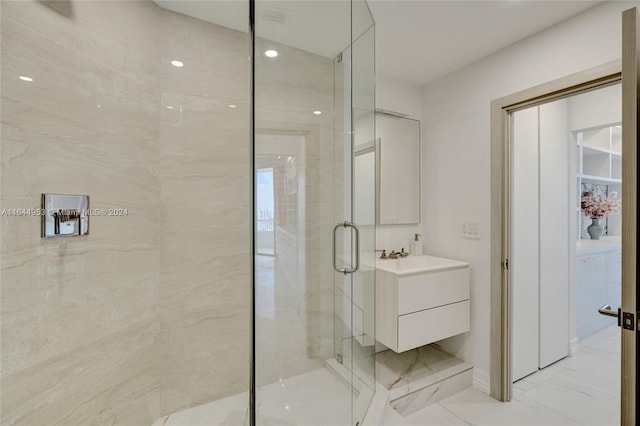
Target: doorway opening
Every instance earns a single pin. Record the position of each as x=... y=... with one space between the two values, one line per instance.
x=265 y=205
x=565 y=260
x=507 y=215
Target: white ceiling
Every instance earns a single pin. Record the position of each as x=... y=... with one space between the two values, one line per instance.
x=416 y=41
x=420 y=41
x=317 y=26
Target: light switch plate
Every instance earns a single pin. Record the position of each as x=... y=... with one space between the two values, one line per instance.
x=471 y=230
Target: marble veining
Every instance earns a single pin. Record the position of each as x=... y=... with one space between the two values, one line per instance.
x=108 y=116
x=113 y=380
x=406 y=372
x=582 y=389
x=79 y=316
x=423 y=397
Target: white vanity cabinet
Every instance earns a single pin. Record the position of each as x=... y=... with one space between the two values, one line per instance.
x=598 y=283
x=420 y=300
x=614 y=278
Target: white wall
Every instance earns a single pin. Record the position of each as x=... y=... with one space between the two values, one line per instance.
x=456 y=140
x=597 y=108
x=395 y=95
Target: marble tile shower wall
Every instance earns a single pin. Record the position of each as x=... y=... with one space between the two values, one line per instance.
x=150 y=312
x=205 y=284
x=79 y=316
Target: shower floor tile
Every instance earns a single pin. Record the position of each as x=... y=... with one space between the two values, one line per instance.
x=317 y=398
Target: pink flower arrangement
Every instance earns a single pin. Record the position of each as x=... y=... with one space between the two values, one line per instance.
x=596 y=205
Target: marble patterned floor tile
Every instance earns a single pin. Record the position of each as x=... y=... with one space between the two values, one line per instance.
x=604 y=379
x=304 y=399
x=393 y=418
x=434 y=415
x=607 y=340
x=585 y=406
x=477 y=408
x=407 y=372
x=221 y=412
x=584 y=387
x=562 y=394
x=420 y=399
x=523 y=385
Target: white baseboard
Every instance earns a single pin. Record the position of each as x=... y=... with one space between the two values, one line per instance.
x=574 y=346
x=481 y=380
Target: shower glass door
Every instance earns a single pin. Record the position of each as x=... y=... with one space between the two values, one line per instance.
x=354 y=335
x=314 y=334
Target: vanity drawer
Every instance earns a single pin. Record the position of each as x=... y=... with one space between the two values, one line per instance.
x=425 y=291
x=424 y=327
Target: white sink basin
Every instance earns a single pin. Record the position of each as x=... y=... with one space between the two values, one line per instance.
x=418 y=264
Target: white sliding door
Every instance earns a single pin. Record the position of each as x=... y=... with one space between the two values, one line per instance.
x=524 y=264
x=540 y=237
x=554 y=229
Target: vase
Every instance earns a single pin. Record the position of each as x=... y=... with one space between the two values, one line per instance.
x=596 y=229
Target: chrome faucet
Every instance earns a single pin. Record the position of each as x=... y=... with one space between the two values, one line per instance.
x=393 y=255
x=397 y=254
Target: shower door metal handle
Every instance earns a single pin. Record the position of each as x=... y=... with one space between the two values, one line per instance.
x=346 y=224
x=335 y=265
x=355 y=228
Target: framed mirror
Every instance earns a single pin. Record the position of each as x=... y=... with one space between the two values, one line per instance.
x=397 y=170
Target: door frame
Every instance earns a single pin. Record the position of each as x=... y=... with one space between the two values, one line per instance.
x=500 y=384
x=629 y=367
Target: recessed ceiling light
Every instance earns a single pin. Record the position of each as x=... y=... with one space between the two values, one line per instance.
x=169 y=107
x=177 y=63
x=233 y=106
x=271 y=53
x=317 y=112
x=25 y=78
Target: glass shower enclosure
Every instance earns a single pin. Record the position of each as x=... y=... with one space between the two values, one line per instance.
x=227 y=272
x=314 y=102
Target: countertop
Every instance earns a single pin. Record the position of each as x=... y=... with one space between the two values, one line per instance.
x=412 y=265
x=604 y=244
